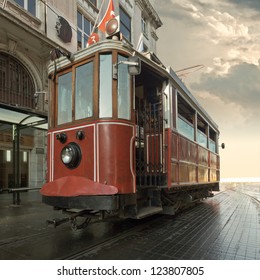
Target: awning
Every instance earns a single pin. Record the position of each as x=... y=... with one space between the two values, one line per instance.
x=22 y=117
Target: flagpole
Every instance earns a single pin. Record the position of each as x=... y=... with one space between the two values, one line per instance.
x=98 y=15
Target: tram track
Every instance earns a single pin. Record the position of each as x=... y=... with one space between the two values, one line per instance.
x=189 y=234
x=218 y=233
x=251 y=196
x=110 y=240
x=237 y=189
x=22 y=239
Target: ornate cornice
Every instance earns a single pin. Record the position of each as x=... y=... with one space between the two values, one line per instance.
x=146 y=6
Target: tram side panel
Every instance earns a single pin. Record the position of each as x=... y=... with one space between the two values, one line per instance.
x=189 y=163
x=203 y=165
x=115 y=156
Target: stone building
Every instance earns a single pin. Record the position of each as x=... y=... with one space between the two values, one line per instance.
x=29 y=30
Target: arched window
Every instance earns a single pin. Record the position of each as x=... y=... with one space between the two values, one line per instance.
x=16 y=84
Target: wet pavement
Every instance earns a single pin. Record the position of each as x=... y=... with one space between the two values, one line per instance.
x=24 y=233
x=226 y=226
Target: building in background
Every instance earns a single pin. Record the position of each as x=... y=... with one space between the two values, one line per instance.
x=29 y=30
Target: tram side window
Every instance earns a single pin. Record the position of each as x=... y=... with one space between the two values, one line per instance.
x=84 y=91
x=124 y=100
x=105 y=86
x=185 y=121
x=202 y=138
x=65 y=98
x=212 y=140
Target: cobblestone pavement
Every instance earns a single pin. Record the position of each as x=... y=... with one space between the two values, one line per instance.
x=226 y=227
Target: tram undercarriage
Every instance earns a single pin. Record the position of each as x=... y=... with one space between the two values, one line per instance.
x=146 y=202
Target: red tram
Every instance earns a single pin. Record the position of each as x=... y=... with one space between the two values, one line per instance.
x=122 y=144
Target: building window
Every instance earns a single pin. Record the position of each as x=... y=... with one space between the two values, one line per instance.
x=84 y=30
x=16 y=84
x=144 y=26
x=29 y=5
x=94 y=2
x=125 y=24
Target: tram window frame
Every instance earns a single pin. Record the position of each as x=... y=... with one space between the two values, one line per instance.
x=67 y=113
x=123 y=90
x=202 y=132
x=185 y=118
x=212 y=140
x=105 y=86
x=89 y=89
x=73 y=71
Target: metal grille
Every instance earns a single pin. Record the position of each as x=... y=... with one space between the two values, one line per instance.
x=16 y=85
x=149 y=144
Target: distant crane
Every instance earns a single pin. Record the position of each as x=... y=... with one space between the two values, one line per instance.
x=186 y=71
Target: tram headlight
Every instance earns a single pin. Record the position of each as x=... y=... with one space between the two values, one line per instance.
x=71 y=155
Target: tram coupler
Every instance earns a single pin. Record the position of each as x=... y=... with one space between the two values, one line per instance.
x=72 y=219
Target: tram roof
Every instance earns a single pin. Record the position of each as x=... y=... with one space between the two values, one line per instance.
x=148 y=58
x=176 y=80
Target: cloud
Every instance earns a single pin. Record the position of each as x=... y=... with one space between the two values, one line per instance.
x=240 y=86
x=225 y=39
x=226 y=26
x=223 y=35
x=252 y=4
x=174 y=11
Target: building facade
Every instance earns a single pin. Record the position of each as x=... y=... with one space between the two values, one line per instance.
x=29 y=30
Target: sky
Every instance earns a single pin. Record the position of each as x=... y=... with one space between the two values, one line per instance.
x=224 y=37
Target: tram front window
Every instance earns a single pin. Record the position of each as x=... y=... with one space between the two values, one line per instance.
x=84 y=91
x=65 y=98
x=105 y=86
x=123 y=90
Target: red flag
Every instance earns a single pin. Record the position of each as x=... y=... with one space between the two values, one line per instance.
x=110 y=13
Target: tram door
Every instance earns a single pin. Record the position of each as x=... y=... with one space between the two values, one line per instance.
x=149 y=136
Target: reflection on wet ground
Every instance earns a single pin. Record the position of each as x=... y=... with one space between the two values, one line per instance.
x=226 y=226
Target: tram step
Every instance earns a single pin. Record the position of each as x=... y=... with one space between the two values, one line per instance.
x=148 y=211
